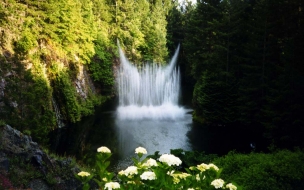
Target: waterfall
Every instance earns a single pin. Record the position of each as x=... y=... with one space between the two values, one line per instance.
x=58 y=115
x=150 y=92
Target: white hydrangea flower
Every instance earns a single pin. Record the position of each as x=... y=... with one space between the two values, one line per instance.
x=177 y=176
x=170 y=172
x=130 y=171
x=140 y=150
x=170 y=159
x=203 y=167
x=182 y=175
x=197 y=177
x=151 y=162
x=230 y=186
x=190 y=189
x=214 y=167
x=103 y=149
x=217 y=183
x=82 y=174
x=176 y=180
x=112 y=185
x=148 y=176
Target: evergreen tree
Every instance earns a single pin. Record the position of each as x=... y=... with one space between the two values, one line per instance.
x=207 y=52
x=283 y=109
x=245 y=59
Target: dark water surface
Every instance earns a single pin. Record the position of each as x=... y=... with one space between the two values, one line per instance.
x=123 y=136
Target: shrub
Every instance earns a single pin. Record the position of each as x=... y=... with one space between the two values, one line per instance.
x=279 y=170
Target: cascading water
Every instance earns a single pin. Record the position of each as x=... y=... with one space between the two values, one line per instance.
x=58 y=115
x=151 y=92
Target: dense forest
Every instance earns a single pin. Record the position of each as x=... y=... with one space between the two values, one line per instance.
x=58 y=57
x=244 y=59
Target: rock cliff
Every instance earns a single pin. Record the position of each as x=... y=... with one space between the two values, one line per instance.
x=25 y=165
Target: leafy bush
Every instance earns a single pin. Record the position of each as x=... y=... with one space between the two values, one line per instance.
x=191 y=158
x=67 y=92
x=279 y=170
x=27 y=42
x=101 y=65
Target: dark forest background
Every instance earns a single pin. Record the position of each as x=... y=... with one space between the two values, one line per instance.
x=245 y=61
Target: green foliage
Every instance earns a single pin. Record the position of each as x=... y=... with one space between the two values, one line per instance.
x=87 y=106
x=68 y=101
x=27 y=102
x=191 y=158
x=40 y=118
x=278 y=170
x=101 y=65
x=142 y=39
x=71 y=27
x=48 y=39
x=26 y=43
x=206 y=52
x=21 y=172
x=245 y=57
x=38 y=37
x=72 y=106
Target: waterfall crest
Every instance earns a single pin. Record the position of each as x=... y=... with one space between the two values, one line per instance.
x=150 y=92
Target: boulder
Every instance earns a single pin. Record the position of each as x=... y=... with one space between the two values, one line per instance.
x=13 y=143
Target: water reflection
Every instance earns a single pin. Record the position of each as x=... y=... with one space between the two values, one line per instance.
x=221 y=139
x=123 y=136
x=154 y=135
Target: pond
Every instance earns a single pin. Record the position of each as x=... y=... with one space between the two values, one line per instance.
x=147 y=113
x=82 y=139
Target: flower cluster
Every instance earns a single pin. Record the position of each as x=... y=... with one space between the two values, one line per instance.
x=140 y=150
x=112 y=185
x=151 y=174
x=170 y=159
x=148 y=176
x=103 y=149
x=83 y=174
x=230 y=186
x=149 y=163
x=213 y=166
x=130 y=171
x=218 y=183
x=203 y=167
x=178 y=176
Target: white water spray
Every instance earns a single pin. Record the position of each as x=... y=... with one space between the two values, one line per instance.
x=151 y=92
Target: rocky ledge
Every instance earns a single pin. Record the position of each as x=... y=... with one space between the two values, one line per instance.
x=24 y=165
